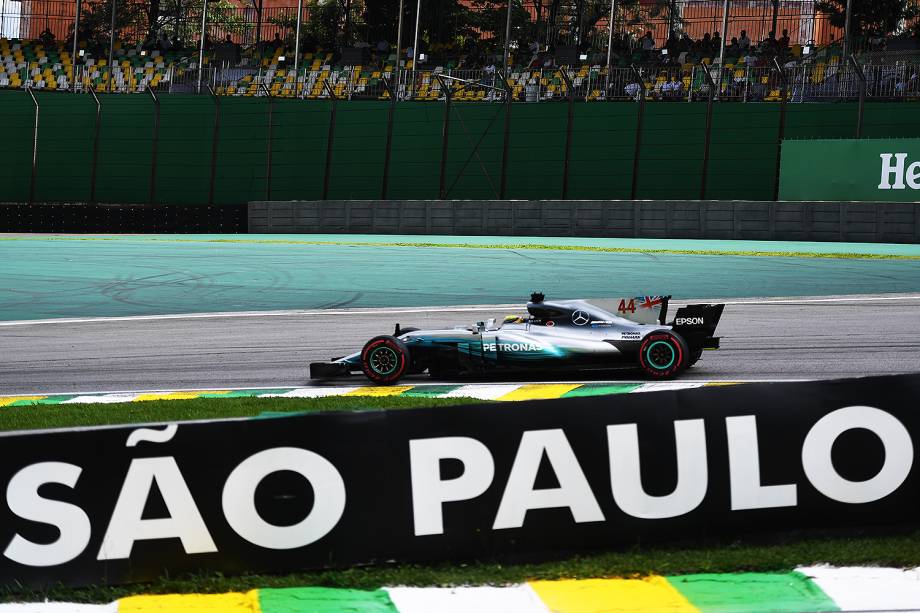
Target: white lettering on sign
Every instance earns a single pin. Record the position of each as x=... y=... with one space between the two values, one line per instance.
x=689 y=321
x=898 y=174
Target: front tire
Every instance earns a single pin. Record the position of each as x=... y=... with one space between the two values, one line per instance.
x=663 y=355
x=385 y=359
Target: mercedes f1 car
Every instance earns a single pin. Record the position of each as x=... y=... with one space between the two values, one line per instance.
x=570 y=335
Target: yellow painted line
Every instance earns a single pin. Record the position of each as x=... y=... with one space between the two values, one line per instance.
x=648 y=594
x=539 y=391
x=177 y=395
x=722 y=383
x=8 y=400
x=234 y=602
x=383 y=390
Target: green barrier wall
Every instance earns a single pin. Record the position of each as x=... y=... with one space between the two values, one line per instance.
x=743 y=148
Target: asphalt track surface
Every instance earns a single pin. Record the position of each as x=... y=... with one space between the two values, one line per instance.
x=763 y=339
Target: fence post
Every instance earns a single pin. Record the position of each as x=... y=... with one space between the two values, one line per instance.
x=96 y=127
x=271 y=126
x=509 y=92
x=391 y=114
x=32 y=177
x=154 y=144
x=445 y=86
x=214 y=144
x=781 y=133
x=568 y=133
x=110 y=73
x=708 y=140
x=330 y=139
x=639 y=118
x=862 y=94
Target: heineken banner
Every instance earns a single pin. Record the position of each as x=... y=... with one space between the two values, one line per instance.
x=528 y=479
x=875 y=170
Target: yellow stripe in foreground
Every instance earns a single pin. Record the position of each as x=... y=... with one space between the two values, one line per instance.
x=192 y=603
x=5 y=402
x=383 y=390
x=177 y=395
x=612 y=596
x=539 y=391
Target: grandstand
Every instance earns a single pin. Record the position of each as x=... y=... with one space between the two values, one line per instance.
x=820 y=74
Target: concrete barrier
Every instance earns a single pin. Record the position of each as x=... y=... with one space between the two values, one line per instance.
x=884 y=222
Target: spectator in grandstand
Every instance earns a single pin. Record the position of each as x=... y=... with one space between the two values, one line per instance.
x=163 y=43
x=648 y=41
x=744 y=42
x=716 y=42
x=784 y=40
x=633 y=90
x=47 y=36
x=769 y=44
x=383 y=48
x=674 y=88
x=277 y=43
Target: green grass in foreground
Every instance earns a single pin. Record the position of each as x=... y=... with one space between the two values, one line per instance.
x=779 y=554
x=38 y=416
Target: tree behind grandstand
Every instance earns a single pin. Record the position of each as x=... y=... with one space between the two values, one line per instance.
x=878 y=17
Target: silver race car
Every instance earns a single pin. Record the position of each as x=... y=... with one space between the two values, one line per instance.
x=569 y=335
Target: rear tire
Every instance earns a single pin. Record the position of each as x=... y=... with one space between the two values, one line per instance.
x=385 y=359
x=663 y=355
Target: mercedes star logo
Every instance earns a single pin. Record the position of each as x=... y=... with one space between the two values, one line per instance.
x=580 y=318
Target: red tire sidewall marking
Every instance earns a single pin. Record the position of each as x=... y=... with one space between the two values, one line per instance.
x=675 y=345
x=396 y=374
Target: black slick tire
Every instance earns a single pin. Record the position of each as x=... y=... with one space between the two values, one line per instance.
x=385 y=359
x=663 y=355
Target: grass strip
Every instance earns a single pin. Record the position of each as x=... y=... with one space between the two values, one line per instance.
x=513 y=247
x=36 y=416
x=771 y=554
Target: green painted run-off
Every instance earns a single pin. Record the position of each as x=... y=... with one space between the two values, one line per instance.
x=50 y=277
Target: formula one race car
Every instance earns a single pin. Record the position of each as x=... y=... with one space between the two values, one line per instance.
x=570 y=335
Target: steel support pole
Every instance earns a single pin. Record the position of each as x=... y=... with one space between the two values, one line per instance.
x=846 y=29
x=862 y=94
x=259 y=30
x=399 y=29
x=442 y=186
x=76 y=47
x=391 y=115
x=269 y=147
x=204 y=24
x=613 y=8
x=725 y=8
x=297 y=45
x=781 y=132
x=637 y=149
x=330 y=140
x=708 y=139
x=111 y=69
x=415 y=54
x=775 y=15
x=154 y=145
x=214 y=141
x=506 y=142
x=33 y=176
x=566 y=158
x=96 y=129
x=505 y=56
